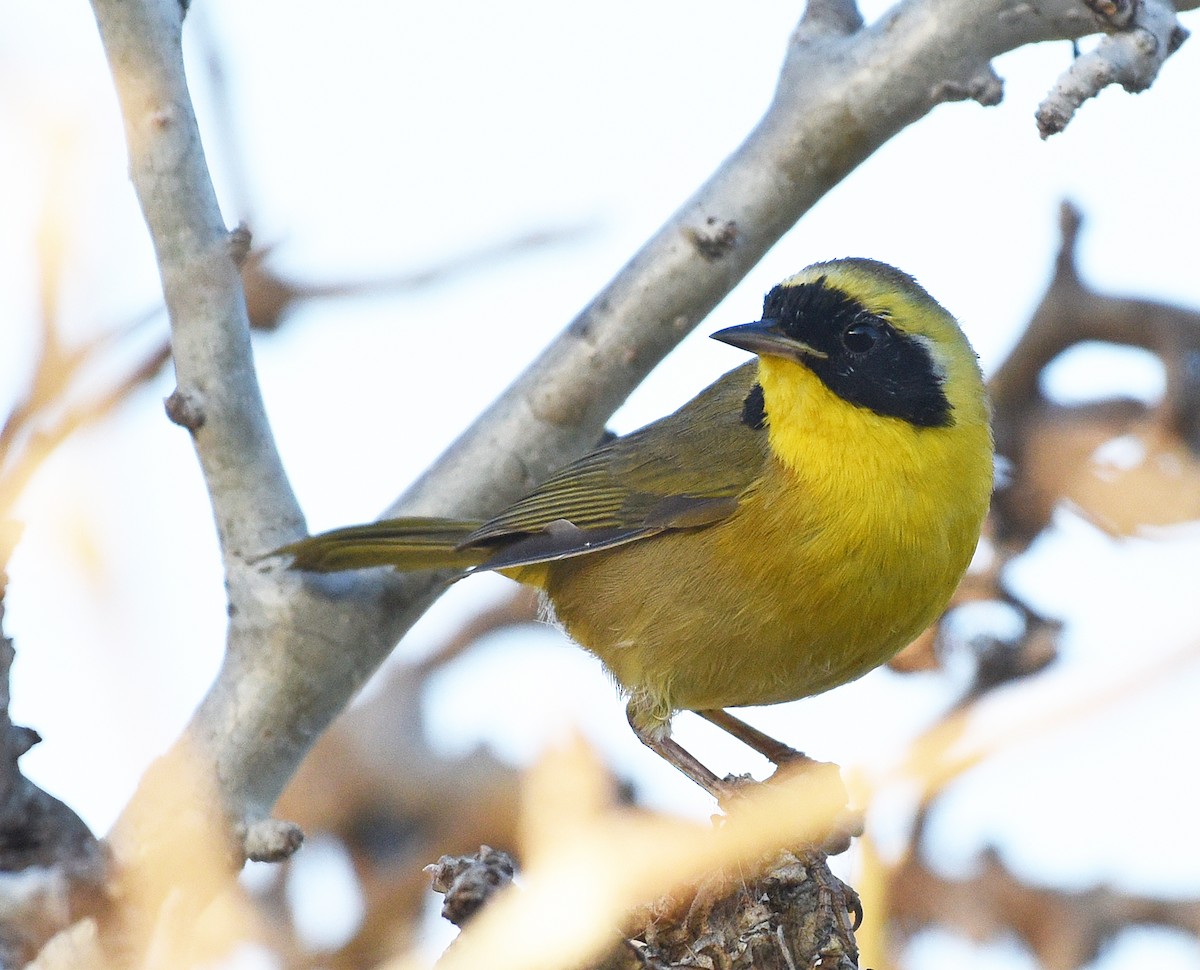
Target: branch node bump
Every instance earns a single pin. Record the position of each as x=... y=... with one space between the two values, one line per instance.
x=1116 y=14
x=715 y=239
x=22 y=739
x=985 y=87
x=829 y=17
x=240 y=239
x=467 y=882
x=161 y=119
x=185 y=410
x=271 y=840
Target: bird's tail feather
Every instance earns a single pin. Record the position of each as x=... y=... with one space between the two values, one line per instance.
x=405 y=544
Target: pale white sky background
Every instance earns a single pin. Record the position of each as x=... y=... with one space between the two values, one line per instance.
x=382 y=136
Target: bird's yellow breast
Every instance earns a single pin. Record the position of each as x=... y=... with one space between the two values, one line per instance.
x=848 y=544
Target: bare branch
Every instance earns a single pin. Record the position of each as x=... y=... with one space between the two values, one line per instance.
x=1145 y=34
x=1065 y=929
x=1028 y=425
x=42 y=442
x=270 y=295
x=210 y=338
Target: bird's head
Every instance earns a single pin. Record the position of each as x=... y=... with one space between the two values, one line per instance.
x=873 y=337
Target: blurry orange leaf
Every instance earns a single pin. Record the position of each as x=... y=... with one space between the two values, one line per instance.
x=1145 y=478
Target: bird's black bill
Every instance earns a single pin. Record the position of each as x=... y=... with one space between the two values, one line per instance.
x=767 y=337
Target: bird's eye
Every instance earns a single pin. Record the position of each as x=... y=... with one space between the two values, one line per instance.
x=860 y=338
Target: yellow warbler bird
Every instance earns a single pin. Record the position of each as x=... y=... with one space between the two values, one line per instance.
x=785 y=531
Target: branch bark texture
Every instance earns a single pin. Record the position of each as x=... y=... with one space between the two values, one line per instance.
x=1143 y=34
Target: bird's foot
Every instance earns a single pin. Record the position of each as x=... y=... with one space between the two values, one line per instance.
x=848 y=823
x=732 y=789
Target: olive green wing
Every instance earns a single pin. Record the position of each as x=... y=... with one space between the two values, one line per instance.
x=685 y=471
x=405 y=544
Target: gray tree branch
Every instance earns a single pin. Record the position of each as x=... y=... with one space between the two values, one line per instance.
x=1144 y=34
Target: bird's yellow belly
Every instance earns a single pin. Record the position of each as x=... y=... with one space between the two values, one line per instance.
x=778 y=602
